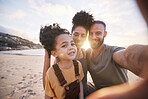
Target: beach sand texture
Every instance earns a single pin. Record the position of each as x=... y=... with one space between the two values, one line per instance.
x=21 y=77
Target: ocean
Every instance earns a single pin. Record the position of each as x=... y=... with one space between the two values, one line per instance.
x=34 y=52
x=25 y=52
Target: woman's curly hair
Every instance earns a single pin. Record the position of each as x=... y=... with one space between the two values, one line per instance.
x=82 y=19
x=48 y=36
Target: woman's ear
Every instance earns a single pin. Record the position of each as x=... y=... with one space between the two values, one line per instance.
x=105 y=33
x=54 y=53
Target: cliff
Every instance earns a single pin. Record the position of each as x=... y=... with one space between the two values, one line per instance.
x=11 y=42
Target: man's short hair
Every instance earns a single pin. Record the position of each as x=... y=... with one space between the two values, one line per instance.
x=99 y=22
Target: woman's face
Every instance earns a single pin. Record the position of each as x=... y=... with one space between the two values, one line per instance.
x=79 y=35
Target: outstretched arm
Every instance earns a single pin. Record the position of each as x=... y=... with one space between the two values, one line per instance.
x=46 y=66
x=133 y=58
x=123 y=91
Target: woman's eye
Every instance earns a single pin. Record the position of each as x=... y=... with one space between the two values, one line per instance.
x=73 y=44
x=83 y=36
x=76 y=34
x=64 y=45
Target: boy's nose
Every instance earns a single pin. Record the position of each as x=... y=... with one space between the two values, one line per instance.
x=71 y=47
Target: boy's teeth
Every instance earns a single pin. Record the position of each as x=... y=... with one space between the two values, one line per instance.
x=71 y=53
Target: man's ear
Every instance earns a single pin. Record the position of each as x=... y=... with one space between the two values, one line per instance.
x=105 y=33
x=54 y=53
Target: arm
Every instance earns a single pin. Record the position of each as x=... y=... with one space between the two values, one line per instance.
x=123 y=91
x=81 y=95
x=47 y=97
x=46 y=66
x=133 y=58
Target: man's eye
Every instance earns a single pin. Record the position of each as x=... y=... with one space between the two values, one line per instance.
x=98 y=33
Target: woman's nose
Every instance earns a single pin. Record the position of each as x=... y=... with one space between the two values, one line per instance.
x=79 y=38
x=93 y=36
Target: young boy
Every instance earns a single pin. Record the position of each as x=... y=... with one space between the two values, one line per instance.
x=63 y=79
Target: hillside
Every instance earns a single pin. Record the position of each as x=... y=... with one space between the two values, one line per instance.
x=11 y=42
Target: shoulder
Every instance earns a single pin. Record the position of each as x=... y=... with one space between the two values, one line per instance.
x=88 y=50
x=88 y=53
x=112 y=49
x=81 y=53
x=79 y=64
x=83 y=50
x=50 y=72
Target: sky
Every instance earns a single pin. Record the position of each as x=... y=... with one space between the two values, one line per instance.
x=125 y=23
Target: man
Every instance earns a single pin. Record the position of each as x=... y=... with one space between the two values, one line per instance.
x=135 y=59
x=102 y=65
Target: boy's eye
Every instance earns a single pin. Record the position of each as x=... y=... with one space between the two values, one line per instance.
x=64 y=45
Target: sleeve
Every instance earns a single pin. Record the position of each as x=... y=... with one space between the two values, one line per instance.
x=80 y=71
x=115 y=49
x=48 y=89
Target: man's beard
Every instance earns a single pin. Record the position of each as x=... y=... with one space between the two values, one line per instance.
x=98 y=45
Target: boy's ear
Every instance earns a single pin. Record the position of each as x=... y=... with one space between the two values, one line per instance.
x=105 y=33
x=54 y=53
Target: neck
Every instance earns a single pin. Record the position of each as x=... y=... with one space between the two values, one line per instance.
x=79 y=54
x=65 y=64
x=78 y=48
x=97 y=51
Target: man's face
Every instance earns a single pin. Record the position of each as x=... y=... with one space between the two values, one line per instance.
x=96 y=35
x=79 y=36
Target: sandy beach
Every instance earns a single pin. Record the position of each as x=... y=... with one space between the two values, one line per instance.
x=21 y=77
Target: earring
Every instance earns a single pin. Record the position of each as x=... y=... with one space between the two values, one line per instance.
x=57 y=59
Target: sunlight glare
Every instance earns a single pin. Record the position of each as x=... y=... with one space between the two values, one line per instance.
x=86 y=44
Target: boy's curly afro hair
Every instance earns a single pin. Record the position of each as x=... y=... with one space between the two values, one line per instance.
x=48 y=36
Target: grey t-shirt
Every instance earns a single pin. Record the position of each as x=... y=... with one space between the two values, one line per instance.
x=104 y=70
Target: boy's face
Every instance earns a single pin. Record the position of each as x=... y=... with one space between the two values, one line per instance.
x=65 y=47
